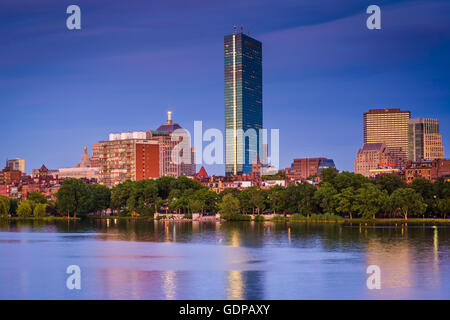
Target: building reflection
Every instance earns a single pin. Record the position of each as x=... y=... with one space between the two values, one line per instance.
x=235 y=289
x=245 y=285
x=404 y=263
x=169 y=286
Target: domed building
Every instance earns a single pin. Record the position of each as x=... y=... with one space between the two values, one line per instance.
x=168 y=166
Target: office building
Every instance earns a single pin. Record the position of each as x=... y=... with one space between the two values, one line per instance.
x=389 y=126
x=425 y=142
x=243 y=102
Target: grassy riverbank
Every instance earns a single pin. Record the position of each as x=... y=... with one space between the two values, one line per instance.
x=296 y=218
x=39 y=218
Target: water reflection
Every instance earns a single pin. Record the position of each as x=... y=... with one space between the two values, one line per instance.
x=133 y=259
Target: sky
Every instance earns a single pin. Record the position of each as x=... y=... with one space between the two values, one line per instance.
x=61 y=90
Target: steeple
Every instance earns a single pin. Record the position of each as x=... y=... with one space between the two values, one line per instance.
x=169 y=116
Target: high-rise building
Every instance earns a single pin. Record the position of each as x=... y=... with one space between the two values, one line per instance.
x=128 y=159
x=95 y=153
x=425 y=142
x=371 y=158
x=243 y=102
x=389 y=126
x=16 y=164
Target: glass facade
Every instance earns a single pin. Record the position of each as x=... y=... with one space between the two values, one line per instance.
x=425 y=142
x=243 y=102
x=326 y=163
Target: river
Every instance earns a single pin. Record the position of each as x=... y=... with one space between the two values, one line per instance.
x=135 y=259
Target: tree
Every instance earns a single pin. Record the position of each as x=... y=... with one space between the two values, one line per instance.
x=325 y=197
x=175 y=200
x=278 y=199
x=229 y=204
x=37 y=197
x=444 y=207
x=120 y=195
x=407 y=201
x=345 y=201
x=24 y=209
x=328 y=174
x=97 y=198
x=71 y=196
x=13 y=204
x=51 y=209
x=143 y=197
x=244 y=200
x=165 y=185
x=424 y=187
x=257 y=199
x=4 y=206
x=390 y=182
x=349 y=179
x=39 y=210
x=370 y=200
x=196 y=205
x=300 y=199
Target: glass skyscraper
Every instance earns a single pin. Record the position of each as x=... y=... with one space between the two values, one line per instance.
x=243 y=102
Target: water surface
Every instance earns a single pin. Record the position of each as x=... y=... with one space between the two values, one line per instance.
x=129 y=259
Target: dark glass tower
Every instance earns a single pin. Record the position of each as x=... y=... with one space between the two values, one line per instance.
x=243 y=102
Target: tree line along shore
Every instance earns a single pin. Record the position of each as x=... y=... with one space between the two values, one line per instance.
x=338 y=197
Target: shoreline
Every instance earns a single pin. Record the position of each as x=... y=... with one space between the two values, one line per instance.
x=354 y=221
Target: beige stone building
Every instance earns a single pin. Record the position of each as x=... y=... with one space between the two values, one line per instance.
x=371 y=158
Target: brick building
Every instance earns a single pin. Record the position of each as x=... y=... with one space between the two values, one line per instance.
x=302 y=169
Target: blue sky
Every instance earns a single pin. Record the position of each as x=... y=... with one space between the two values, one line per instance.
x=322 y=68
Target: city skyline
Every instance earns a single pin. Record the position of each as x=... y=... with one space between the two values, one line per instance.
x=296 y=76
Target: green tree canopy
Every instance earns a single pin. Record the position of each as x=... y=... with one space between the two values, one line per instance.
x=71 y=197
x=37 y=197
x=24 y=209
x=229 y=204
x=328 y=174
x=325 y=197
x=407 y=201
x=370 y=200
x=345 y=202
x=4 y=206
x=39 y=210
x=444 y=207
x=390 y=182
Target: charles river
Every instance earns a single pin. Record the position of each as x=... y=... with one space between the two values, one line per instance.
x=135 y=259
